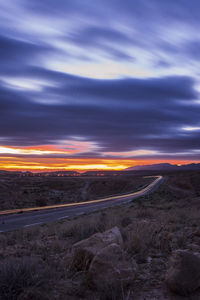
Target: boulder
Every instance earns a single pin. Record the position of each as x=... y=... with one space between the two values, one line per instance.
x=194 y=248
x=183 y=274
x=197 y=232
x=111 y=267
x=84 y=251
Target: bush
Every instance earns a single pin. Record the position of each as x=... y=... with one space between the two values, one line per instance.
x=144 y=213
x=19 y=276
x=143 y=237
x=41 y=202
x=111 y=292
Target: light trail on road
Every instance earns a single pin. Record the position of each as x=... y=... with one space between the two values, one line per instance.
x=26 y=217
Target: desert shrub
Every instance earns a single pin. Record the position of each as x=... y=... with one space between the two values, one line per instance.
x=111 y=291
x=179 y=241
x=126 y=221
x=144 y=213
x=22 y=236
x=141 y=238
x=79 y=285
x=81 y=228
x=57 y=200
x=179 y=216
x=3 y=241
x=17 y=276
x=41 y=202
x=113 y=218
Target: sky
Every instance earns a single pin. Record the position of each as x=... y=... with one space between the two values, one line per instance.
x=103 y=84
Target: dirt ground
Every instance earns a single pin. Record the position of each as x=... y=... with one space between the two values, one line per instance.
x=152 y=227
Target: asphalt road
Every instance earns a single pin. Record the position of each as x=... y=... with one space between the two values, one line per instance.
x=27 y=217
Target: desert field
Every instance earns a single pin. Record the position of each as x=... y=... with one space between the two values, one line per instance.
x=39 y=262
x=21 y=192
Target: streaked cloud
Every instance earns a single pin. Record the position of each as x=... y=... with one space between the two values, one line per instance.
x=99 y=80
x=191 y=128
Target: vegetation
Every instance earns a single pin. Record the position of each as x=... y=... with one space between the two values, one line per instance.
x=20 y=192
x=152 y=227
x=24 y=278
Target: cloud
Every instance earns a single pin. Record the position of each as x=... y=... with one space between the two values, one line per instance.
x=153 y=121
x=17 y=50
x=156 y=89
x=148 y=49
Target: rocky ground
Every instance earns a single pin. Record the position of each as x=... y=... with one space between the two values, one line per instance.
x=146 y=250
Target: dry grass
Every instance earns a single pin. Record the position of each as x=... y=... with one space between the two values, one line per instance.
x=112 y=292
x=151 y=227
x=20 y=277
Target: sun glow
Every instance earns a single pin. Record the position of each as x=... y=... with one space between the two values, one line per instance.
x=39 y=163
x=72 y=167
x=26 y=151
x=70 y=147
x=74 y=155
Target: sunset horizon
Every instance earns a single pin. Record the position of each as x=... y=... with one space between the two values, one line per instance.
x=87 y=86
x=37 y=163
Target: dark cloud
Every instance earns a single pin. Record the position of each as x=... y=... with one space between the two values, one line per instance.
x=95 y=35
x=114 y=128
x=18 y=51
x=160 y=89
x=52 y=8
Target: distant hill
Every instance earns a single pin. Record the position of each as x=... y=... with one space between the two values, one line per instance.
x=53 y=173
x=58 y=173
x=102 y=173
x=9 y=173
x=164 y=167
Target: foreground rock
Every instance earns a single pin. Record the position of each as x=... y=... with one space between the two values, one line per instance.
x=84 y=251
x=183 y=274
x=110 y=267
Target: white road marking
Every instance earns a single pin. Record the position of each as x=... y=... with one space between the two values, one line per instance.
x=79 y=214
x=65 y=217
x=33 y=224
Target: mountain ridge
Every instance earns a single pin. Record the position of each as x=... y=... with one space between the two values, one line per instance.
x=164 y=166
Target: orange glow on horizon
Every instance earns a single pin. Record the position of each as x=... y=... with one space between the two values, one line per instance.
x=42 y=164
x=60 y=158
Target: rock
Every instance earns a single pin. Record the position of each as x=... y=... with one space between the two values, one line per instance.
x=84 y=251
x=194 y=248
x=33 y=294
x=197 y=232
x=183 y=274
x=111 y=267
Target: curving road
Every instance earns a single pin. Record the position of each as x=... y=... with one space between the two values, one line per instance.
x=26 y=217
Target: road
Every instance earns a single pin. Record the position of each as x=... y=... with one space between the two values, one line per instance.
x=26 y=217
